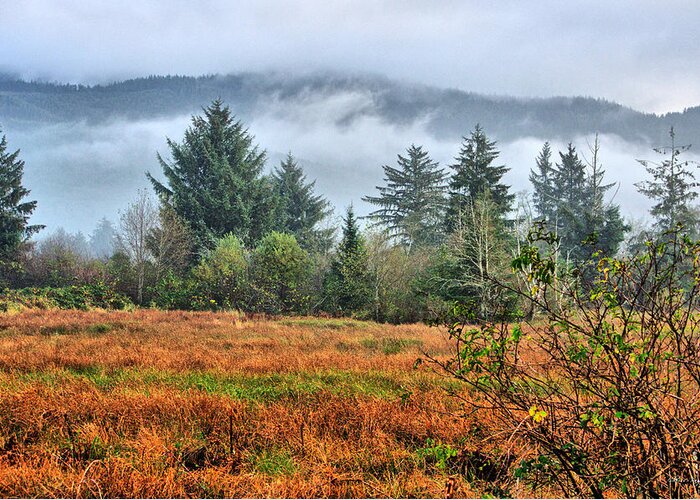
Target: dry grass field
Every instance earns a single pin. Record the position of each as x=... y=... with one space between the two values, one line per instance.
x=178 y=404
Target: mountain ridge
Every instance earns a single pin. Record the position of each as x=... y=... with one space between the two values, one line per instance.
x=448 y=112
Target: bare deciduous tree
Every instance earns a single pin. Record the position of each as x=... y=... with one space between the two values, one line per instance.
x=170 y=242
x=136 y=223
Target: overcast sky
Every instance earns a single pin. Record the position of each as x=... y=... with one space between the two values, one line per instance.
x=641 y=53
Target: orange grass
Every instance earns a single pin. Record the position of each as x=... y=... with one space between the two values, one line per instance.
x=180 y=404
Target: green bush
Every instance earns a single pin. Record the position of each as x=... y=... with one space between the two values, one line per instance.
x=175 y=292
x=221 y=279
x=437 y=454
x=281 y=270
x=97 y=295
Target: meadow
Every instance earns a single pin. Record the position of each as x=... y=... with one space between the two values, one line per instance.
x=181 y=404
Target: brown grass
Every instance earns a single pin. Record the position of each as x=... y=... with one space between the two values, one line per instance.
x=177 y=404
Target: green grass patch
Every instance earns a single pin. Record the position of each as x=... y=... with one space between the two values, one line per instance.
x=259 y=388
x=61 y=329
x=99 y=328
x=273 y=462
x=322 y=323
x=390 y=345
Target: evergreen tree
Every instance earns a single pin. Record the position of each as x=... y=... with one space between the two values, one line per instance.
x=672 y=188
x=14 y=211
x=215 y=180
x=103 y=239
x=572 y=202
x=348 y=286
x=475 y=173
x=543 y=182
x=412 y=202
x=570 y=183
x=602 y=221
x=300 y=210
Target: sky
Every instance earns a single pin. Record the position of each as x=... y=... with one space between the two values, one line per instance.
x=639 y=53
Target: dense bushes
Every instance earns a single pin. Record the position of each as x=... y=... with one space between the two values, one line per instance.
x=280 y=272
x=275 y=277
x=366 y=277
x=222 y=275
x=98 y=295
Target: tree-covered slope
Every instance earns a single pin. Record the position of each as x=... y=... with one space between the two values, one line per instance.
x=447 y=112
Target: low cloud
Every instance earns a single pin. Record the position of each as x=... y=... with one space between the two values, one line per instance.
x=79 y=173
x=637 y=52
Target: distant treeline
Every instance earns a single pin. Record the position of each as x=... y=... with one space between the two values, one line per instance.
x=448 y=112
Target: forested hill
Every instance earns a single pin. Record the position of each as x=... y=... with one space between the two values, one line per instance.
x=447 y=112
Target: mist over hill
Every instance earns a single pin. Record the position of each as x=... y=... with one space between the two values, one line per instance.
x=446 y=112
x=87 y=147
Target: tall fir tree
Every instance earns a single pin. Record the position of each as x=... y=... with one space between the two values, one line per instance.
x=300 y=211
x=215 y=182
x=15 y=211
x=602 y=220
x=412 y=203
x=570 y=183
x=348 y=285
x=604 y=227
x=475 y=173
x=543 y=182
x=672 y=187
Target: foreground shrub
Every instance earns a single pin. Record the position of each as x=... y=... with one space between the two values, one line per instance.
x=175 y=292
x=605 y=390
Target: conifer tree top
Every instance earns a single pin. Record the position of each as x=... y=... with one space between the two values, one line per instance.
x=411 y=204
x=672 y=186
x=300 y=210
x=475 y=173
x=14 y=212
x=214 y=179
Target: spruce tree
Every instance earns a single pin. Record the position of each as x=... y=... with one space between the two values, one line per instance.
x=475 y=173
x=348 y=286
x=413 y=201
x=672 y=188
x=14 y=210
x=572 y=203
x=300 y=211
x=602 y=221
x=543 y=183
x=215 y=182
x=570 y=183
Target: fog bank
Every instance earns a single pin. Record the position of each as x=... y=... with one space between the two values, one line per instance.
x=80 y=173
